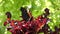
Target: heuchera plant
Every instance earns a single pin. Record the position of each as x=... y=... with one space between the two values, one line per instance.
x=29 y=24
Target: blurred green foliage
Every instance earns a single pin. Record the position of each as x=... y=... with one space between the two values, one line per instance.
x=36 y=7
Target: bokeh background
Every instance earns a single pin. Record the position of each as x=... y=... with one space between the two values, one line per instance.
x=36 y=7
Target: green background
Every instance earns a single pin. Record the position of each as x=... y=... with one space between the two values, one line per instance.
x=36 y=7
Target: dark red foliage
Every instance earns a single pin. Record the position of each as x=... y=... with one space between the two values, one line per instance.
x=32 y=26
x=18 y=27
